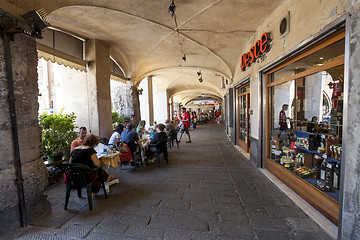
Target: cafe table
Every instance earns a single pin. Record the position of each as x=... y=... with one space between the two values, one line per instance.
x=110 y=160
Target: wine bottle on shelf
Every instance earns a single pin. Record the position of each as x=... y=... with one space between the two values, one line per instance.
x=336 y=179
x=329 y=174
x=323 y=170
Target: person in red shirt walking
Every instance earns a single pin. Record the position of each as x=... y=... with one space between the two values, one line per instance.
x=185 y=124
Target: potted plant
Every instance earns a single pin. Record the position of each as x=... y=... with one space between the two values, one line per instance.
x=118 y=119
x=57 y=134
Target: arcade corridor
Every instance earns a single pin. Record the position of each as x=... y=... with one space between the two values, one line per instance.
x=208 y=191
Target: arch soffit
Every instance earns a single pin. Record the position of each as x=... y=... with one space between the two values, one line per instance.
x=119 y=56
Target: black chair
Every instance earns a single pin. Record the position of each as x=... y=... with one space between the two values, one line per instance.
x=75 y=178
x=161 y=147
x=173 y=136
x=135 y=152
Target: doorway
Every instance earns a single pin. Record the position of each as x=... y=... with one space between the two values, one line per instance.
x=243 y=116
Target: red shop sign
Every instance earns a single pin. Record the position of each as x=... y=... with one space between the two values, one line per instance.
x=261 y=47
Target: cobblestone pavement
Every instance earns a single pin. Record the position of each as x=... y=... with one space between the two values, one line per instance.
x=207 y=191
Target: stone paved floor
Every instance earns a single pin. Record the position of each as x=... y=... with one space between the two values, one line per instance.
x=207 y=191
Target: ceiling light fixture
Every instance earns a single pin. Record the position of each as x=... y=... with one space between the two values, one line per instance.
x=200 y=76
x=172 y=13
x=172 y=8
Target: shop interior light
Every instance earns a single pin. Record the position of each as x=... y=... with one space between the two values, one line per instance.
x=321 y=58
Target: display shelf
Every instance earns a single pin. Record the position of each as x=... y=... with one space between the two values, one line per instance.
x=319 y=154
x=334 y=195
x=312 y=181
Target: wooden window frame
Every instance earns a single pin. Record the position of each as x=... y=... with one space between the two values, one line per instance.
x=328 y=206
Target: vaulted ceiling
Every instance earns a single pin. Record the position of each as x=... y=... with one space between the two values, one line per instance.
x=144 y=40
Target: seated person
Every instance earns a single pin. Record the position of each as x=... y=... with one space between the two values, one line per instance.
x=159 y=135
x=141 y=128
x=86 y=154
x=115 y=137
x=312 y=126
x=129 y=135
x=169 y=127
x=80 y=139
x=151 y=132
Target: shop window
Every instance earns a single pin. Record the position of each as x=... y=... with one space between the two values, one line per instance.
x=305 y=125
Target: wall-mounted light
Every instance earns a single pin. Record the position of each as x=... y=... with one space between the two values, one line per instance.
x=172 y=8
x=184 y=58
x=140 y=90
x=36 y=22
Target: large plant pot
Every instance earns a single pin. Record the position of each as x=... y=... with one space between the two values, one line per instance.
x=55 y=158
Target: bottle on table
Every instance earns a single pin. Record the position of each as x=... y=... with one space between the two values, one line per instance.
x=105 y=149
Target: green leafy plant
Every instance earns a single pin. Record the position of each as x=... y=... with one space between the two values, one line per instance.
x=116 y=118
x=57 y=132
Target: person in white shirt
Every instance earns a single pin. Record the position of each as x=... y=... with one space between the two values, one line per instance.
x=115 y=137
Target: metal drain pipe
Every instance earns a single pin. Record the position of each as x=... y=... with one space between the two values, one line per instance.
x=17 y=163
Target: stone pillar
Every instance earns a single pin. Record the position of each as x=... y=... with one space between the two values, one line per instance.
x=171 y=108
x=99 y=100
x=176 y=106
x=349 y=223
x=150 y=100
x=34 y=173
x=136 y=105
x=168 y=114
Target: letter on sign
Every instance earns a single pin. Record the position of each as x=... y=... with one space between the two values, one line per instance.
x=261 y=47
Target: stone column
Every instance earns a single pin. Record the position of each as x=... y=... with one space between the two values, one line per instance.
x=349 y=223
x=99 y=100
x=171 y=108
x=136 y=105
x=168 y=105
x=34 y=173
x=150 y=100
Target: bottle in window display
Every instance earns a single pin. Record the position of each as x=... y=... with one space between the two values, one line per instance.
x=323 y=170
x=336 y=178
x=329 y=174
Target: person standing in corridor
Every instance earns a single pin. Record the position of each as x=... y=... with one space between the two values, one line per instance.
x=185 y=124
